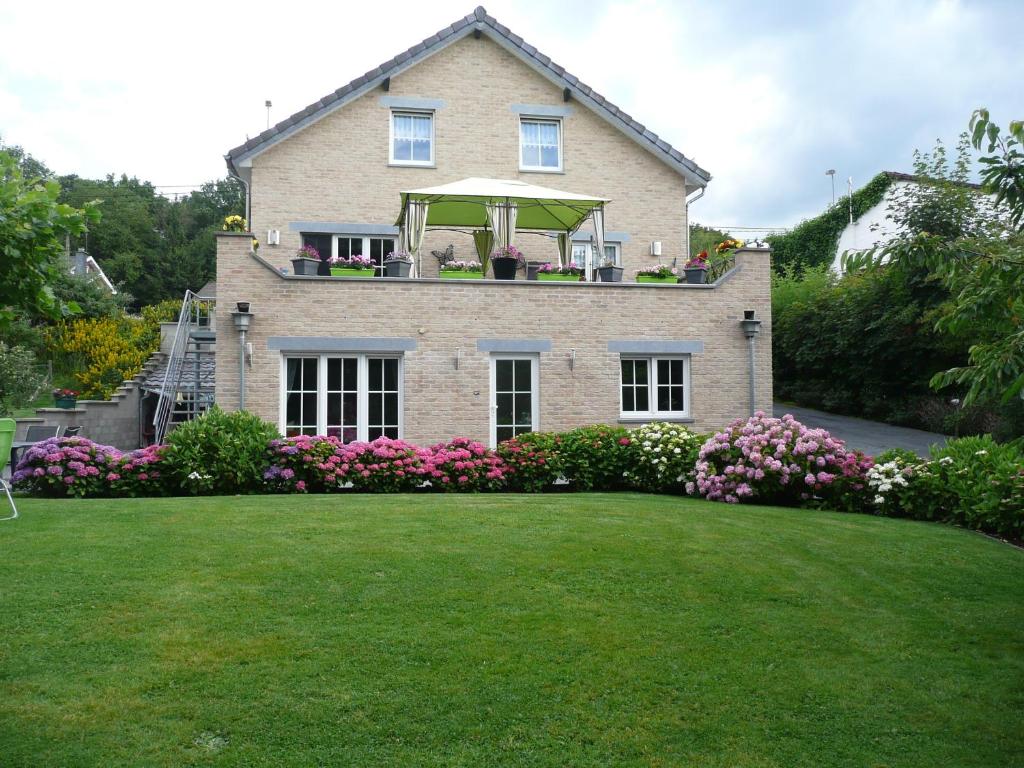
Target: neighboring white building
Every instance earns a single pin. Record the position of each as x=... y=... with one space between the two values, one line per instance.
x=874 y=228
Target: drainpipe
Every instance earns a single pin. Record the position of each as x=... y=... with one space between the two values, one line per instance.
x=242 y=318
x=689 y=201
x=751 y=328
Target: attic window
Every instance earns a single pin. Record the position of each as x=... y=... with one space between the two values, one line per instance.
x=540 y=144
x=412 y=138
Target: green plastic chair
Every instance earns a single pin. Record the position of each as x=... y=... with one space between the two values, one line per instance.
x=7 y=427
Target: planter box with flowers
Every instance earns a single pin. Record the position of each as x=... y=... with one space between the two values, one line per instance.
x=397 y=264
x=357 y=266
x=462 y=270
x=569 y=274
x=306 y=260
x=696 y=269
x=65 y=398
x=506 y=261
x=658 y=273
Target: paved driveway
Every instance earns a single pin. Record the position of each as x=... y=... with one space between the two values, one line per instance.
x=872 y=437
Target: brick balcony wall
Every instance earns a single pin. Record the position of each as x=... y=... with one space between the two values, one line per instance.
x=443 y=317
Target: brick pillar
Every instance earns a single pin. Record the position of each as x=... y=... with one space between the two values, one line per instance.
x=235 y=267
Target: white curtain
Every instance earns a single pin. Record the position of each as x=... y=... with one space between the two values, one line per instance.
x=413 y=228
x=597 y=216
x=502 y=218
x=564 y=248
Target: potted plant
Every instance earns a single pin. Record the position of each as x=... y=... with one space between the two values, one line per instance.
x=569 y=274
x=696 y=269
x=533 y=269
x=658 y=273
x=506 y=261
x=235 y=223
x=65 y=398
x=397 y=264
x=306 y=260
x=462 y=270
x=609 y=273
x=356 y=266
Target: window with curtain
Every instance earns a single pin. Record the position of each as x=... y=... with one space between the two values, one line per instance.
x=540 y=145
x=412 y=138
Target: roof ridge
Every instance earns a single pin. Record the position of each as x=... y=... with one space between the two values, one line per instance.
x=476 y=20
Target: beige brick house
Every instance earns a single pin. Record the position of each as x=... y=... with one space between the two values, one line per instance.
x=427 y=359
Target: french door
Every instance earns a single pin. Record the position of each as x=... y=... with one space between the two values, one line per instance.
x=515 y=402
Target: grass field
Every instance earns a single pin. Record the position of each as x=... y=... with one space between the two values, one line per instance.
x=557 y=630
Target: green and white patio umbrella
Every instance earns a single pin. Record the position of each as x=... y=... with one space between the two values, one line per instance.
x=497 y=208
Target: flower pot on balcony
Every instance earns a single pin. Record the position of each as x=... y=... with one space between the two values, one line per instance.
x=532 y=268
x=696 y=276
x=610 y=274
x=304 y=266
x=65 y=402
x=505 y=267
x=554 y=277
x=462 y=275
x=656 y=279
x=349 y=272
x=397 y=267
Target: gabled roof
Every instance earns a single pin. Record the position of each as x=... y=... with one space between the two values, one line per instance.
x=478 y=22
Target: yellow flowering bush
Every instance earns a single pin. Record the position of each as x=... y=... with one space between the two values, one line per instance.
x=235 y=224
x=102 y=352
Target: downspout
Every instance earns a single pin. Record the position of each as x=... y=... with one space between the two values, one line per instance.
x=688 y=202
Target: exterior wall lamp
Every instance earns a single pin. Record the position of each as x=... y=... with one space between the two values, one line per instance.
x=242 y=318
x=751 y=327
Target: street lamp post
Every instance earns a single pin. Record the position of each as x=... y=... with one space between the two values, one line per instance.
x=831 y=172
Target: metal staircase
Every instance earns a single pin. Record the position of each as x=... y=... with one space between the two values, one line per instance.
x=188 y=384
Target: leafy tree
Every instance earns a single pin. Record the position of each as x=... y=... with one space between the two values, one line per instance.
x=705 y=239
x=985 y=274
x=31 y=168
x=33 y=225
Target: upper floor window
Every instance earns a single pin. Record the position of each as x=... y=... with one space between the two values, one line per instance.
x=412 y=138
x=540 y=145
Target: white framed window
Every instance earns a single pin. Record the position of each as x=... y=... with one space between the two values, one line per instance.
x=583 y=255
x=654 y=386
x=540 y=144
x=346 y=246
x=349 y=396
x=515 y=396
x=412 y=138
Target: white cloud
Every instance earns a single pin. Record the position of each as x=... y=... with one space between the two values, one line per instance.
x=766 y=97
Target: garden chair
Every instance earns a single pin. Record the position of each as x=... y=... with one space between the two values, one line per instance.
x=71 y=431
x=7 y=427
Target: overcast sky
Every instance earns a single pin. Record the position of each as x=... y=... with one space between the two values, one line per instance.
x=764 y=95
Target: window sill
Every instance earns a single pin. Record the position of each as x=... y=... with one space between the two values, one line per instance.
x=656 y=417
x=556 y=171
x=392 y=164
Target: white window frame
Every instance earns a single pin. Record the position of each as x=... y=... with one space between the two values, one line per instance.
x=362 y=387
x=378 y=271
x=534 y=359
x=391 y=137
x=590 y=263
x=652 y=392
x=540 y=168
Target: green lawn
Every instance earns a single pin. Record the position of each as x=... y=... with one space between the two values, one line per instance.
x=503 y=630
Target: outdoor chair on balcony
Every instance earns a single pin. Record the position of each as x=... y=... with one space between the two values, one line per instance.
x=7 y=427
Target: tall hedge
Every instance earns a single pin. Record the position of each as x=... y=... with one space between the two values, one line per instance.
x=813 y=242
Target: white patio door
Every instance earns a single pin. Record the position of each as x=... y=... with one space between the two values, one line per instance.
x=515 y=404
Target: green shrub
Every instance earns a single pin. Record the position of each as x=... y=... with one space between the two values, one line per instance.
x=533 y=461
x=662 y=457
x=19 y=377
x=595 y=458
x=219 y=452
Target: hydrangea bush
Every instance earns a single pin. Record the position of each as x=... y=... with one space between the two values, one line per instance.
x=662 y=457
x=76 y=466
x=777 y=461
x=464 y=465
x=595 y=457
x=532 y=461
